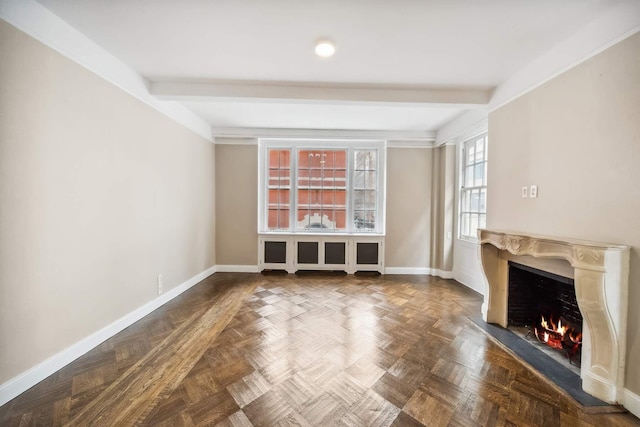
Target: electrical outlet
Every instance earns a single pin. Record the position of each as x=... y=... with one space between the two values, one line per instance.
x=533 y=191
x=159 y=284
x=524 y=192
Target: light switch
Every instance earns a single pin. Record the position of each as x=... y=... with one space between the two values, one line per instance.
x=533 y=192
x=524 y=192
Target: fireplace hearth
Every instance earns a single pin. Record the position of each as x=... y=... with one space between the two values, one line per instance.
x=563 y=376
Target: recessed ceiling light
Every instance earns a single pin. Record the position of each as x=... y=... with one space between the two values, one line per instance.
x=325 y=48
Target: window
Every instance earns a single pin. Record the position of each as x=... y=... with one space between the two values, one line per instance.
x=321 y=201
x=473 y=193
x=279 y=188
x=365 y=189
x=321 y=186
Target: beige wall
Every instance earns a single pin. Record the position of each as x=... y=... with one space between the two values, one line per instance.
x=578 y=138
x=411 y=213
x=236 y=203
x=420 y=207
x=442 y=209
x=98 y=195
x=408 y=207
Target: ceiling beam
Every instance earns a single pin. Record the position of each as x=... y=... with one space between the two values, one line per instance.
x=306 y=92
x=406 y=137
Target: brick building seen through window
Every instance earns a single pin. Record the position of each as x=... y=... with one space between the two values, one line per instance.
x=319 y=186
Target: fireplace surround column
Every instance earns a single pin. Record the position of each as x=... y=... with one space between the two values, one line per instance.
x=601 y=274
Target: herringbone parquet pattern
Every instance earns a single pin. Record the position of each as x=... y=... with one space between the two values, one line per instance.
x=319 y=350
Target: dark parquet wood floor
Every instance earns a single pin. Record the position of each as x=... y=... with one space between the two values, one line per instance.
x=312 y=350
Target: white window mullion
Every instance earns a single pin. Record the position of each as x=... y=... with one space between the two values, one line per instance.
x=293 y=195
x=350 y=198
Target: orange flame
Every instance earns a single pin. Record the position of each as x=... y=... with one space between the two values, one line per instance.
x=553 y=335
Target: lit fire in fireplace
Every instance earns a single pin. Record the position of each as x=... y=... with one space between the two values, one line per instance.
x=558 y=335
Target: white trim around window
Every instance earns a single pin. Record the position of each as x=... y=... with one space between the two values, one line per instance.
x=472 y=206
x=346 y=197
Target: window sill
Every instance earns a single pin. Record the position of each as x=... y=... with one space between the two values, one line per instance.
x=467 y=242
x=318 y=233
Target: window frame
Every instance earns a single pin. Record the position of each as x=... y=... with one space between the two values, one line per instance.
x=296 y=144
x=468 y=190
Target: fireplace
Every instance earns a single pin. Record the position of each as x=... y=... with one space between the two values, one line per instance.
x=543 y=309
x=599 y=273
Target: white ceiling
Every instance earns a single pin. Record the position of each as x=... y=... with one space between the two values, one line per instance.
x=429 y=45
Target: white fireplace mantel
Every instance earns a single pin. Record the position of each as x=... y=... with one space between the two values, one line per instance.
x=601 y=277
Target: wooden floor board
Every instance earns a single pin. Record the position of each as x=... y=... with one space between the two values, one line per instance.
x=310 y=350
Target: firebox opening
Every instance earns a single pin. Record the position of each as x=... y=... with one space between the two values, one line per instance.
x=543 y=309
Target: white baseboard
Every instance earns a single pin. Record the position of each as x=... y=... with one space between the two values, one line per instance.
x=237 y=269
x=441 y=273
x=470 y=282
x=33 y=376
x=418 y=271
x=407 y=270
x=631 y=402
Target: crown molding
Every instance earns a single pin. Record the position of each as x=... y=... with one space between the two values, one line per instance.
x=467 y=125
x=604 y=32
x=252 y=91
x=400 y=143
x=236 y=140
x=40 y=23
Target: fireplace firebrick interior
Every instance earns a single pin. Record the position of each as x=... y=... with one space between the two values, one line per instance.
x=534 y=292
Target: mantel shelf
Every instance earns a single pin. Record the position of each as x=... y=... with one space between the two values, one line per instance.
x=551 y=239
